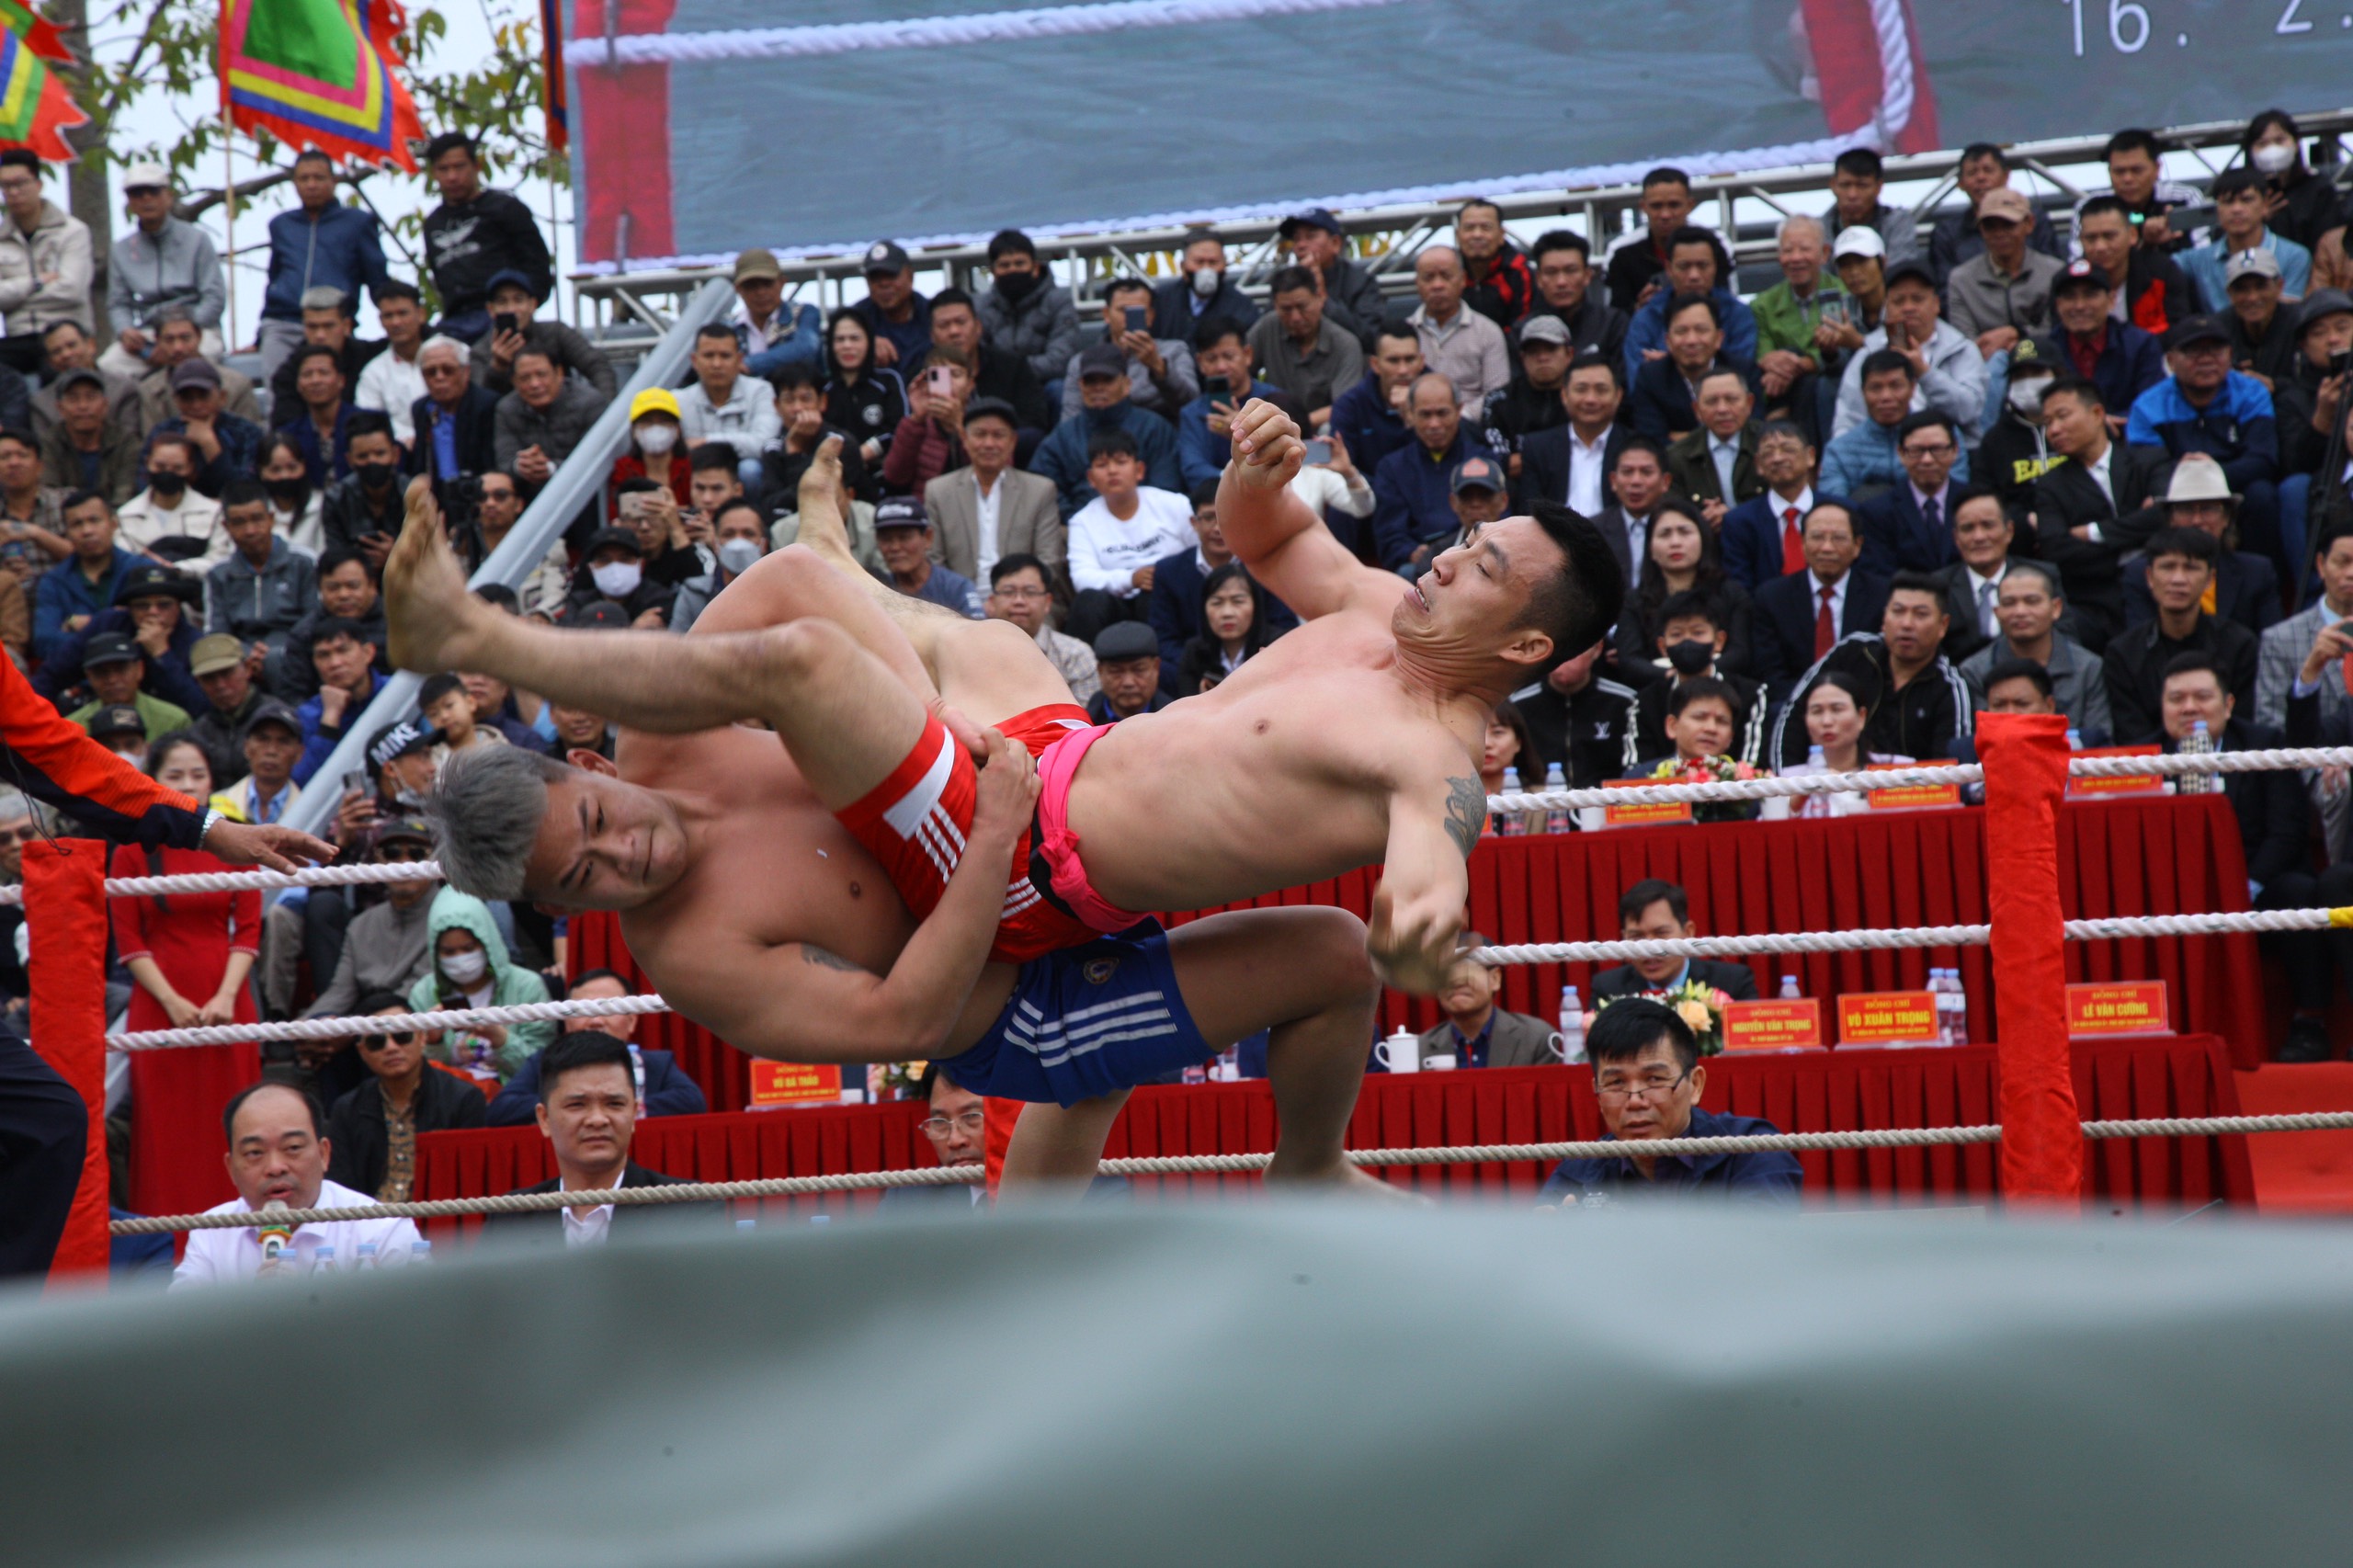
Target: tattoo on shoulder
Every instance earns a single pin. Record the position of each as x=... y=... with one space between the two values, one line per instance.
x=1466 y=811
x=812 y=953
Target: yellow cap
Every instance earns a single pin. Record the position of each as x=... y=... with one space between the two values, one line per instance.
x=654 y=399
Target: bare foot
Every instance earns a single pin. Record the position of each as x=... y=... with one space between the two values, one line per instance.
x=428 y=610
x=1345 y=1180
x=824 y=514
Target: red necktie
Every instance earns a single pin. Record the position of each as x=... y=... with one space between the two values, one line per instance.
x=1825 y=626
x=1792 y=543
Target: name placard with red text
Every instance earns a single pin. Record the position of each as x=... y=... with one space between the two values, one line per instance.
x=1645 y=813
x=2123 y=1007
x=1887 y=1017
x=1913 y=797
x=1775 y=1025
x=2123 y=784
x=795 y=1083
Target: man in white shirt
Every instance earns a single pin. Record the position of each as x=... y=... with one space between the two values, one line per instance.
x=168 y=520
x=588 y=1112
x=1117 y=536
x=1457 y=342
x=278 y=1154
x=725 y=404
x=393 y=381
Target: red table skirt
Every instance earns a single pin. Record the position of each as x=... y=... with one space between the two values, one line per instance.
x=1807 y=1092
x=2159 y=856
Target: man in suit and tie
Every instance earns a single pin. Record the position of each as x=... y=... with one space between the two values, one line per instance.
x=988 y=508
x=1638 y=479
x=1982 y=536
x=1656 y=911
x=1476 y=1032
x=1908 y=526
x=1799 y=617
x=1715 y=465
x=2286 y=646
x=1571 y=463
x=1763 y=537
x=588 y=1112
x=2092 y=509
x=2246 y=588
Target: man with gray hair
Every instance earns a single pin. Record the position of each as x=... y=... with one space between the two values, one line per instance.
x=456 y=422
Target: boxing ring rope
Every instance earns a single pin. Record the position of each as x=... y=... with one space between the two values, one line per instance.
x=1235 y=1165
x=2026 y=767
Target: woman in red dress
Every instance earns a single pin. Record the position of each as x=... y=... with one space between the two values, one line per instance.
x=189 y=955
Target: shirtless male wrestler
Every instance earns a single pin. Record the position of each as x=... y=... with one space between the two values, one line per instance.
x=757 y=914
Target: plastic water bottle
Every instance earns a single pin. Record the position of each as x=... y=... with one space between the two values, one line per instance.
x=1815 y=760
x=420 y=1251
x=1511 y=825
x=2074 y=740
x=367 y=1257
x=323 y=1263
x=2199 y=744
x=747 y=1224
x=1790 y=992
x=1556 y=818
x=1572 y=1025
x=1956 y=1001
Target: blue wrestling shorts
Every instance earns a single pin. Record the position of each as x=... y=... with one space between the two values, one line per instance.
x=1085 y=1021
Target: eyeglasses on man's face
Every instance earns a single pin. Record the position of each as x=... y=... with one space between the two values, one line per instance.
x=1618 y=1091
x=938 y=1127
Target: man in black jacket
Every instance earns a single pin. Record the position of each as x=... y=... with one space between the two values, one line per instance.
x=362 y=510
x=475 y=235
x=997 y=372
x=1566 y=287
x=588 y=1111
x=2271 y=810
x=1577 y=717
x=2180 y=569
x=456 y=422
x=373 y=1129
x=1918 y=703
x=1352 y=297
x=1656 y=911
x=2093 y=507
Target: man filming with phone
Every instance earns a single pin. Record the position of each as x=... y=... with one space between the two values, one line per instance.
x=1161 y=375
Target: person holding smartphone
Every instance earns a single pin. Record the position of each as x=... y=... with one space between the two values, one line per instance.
x=1161 y=373
x=930 y=440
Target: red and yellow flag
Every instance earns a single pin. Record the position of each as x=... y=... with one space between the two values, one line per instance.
x=319 y=74
x=35 y=107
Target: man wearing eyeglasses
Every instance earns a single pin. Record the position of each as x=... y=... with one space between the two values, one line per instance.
x=662 y=1090
x=1018 y=592
x=384 y=947
x=1648 y=1080
x=373 y=1129
x=956 y=1130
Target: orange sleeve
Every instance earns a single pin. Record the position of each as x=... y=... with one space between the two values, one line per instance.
x=52 y=759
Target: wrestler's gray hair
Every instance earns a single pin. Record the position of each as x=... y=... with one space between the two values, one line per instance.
x=485 y=815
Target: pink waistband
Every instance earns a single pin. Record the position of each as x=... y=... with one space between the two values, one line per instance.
x=1057 y=766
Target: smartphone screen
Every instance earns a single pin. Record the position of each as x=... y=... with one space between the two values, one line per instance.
x=1218 y=388
x=355 y=783
x=1135 y=314
x=1319 y=451
x=938 y=381
x=506 y=320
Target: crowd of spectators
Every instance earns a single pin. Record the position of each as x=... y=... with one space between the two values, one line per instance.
x=2087 y=461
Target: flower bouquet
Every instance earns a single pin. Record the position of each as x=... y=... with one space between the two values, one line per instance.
x=1710 y=770
x=893 y=1080
x=1700 y=1007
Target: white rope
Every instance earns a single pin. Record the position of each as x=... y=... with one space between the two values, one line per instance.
x=937 y=32
x=2300 y=760
x=338 y=1028
x=238 y=882
x=1227 y=1164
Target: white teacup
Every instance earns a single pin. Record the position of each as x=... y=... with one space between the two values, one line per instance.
x=1437 y=1064
x=1401 y=1053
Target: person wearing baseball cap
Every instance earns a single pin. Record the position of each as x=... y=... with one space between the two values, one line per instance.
x=1127 y=664
x=2089 y=339
x=161 y=261
x=119 y=727
x=1951 y=371
x=1352 y=298
x=2263 y=336
x=2323 y=338
x=225 y=672
x=2003 y=293
x=771 y=332
x=267 y=748
x=1531 y=402
x=902 y=533
x=1478 y=489
x=898 y=317
x=515 y=302
x=384 y=948
x=112 y=668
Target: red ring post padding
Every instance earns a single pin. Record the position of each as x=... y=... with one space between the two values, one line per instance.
x=2025 y=756
x=66 y=929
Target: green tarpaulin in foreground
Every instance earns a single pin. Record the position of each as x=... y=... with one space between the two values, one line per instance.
x=1235 y=1384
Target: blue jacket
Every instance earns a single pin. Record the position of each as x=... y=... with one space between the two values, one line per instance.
x=341 y=249
x=326 y=467
x=1371 y=429
x=63 y=593
x=1755 y=1179
x=1062 y=456
x=668 y=1092
x=1200 y=455
x=1865 y=456
x=319 y=741
x=1411 y=503
x=1648 y=329
x=2237 y=429
x=1751 y=536
x=805 y=345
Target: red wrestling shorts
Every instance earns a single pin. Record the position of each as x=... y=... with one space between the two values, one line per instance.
x=916 y=820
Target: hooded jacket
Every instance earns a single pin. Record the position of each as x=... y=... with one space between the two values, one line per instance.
x=59 y=246
x=511 y=985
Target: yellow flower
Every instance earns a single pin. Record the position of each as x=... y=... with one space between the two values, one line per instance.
x=1696 y=1016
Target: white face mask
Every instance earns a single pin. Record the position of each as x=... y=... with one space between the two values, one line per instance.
x=1206 y=281
x=466 y=968
x=617 y=579
x=738 y=556
x=2026 y=396
x=655 y=440
x=2272 y=158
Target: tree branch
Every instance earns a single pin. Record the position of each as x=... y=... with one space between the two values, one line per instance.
x=204 y=201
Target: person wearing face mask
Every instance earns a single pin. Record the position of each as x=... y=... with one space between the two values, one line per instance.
x=1199 y=290
x=296 y=510
x=1024 y=310
x=613 y=568
x=362 y=511
x=2015 y=452
x=169 y=520
x=470 y=969
x=742 y=540
x=1691 y=640
x=657 y=448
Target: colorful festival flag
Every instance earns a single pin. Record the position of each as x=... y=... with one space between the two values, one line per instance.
x=35 y=107
x=558 y=104
x=319 y=74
